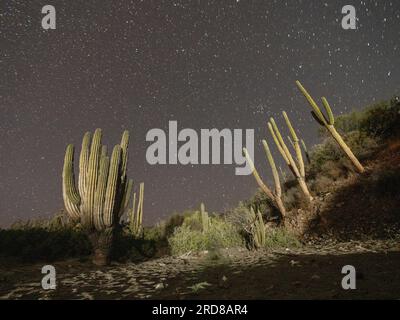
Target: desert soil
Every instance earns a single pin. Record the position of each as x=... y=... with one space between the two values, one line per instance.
x=310 y=272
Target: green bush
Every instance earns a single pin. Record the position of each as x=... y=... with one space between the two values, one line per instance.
x=382 y=119
x=277 y=238
x=378 y=120
x=221 y=234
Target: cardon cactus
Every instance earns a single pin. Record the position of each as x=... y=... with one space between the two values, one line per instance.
x=328 y=123
x=135 y=214
x=274 y=196
x=103 y=190
x=297 y=167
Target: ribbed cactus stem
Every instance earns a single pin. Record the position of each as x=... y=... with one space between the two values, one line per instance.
x=84 y=164
x=135 y=214
x=296 y=146
x=126 y=197
x=131 y=215
x=278 y=189
x=275 y=197
x=314 y=106
x=111 y=191
x=124 y=149
x=296 y=168
x=92 y=176
x=70 y=195
x=328 y=123
x=100 y=192
x=140 y=209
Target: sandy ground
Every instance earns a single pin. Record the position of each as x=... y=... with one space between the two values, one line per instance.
x=306 y=273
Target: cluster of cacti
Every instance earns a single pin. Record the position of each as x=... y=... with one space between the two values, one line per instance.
x=204 y=218
x=135 y=214
x=328 y=123
x=258 y=229
x=296 y=163
x=103 y=190
x=274 y=196
x=296 y=166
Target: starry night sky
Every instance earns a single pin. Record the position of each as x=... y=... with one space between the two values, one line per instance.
x=207 y=64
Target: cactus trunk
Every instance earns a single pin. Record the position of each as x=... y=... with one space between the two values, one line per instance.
x=346 y=149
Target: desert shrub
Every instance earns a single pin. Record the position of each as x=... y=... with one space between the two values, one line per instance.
x=127 y=247
x=329 y=159
x=349 y=122
x=381 y=119
x=277 y=238
x=320 y=184
x=378 y=120
x=322 y=153
x=39 y=244
x=173 y=222
x=220 y=234
x=260 y=202
x=293 y=197
x=239 y=216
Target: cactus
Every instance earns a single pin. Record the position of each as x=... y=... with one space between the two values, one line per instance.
x=283 y=174
x=274 y=196
x=303 y=145
x=103 y=190
x=205 y=220
x=329 y=122
x=135 y=214
x=258 y=230
x=297 y=167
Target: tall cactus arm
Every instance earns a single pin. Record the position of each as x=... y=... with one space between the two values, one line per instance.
x=296 y=145
x=261 y=184
x=305 y=151
x=100 y=192
x=278 y=189
x=139 y=214
x=84 y=163
x=278 y=144
x=131 y=215
x=70 y=194
x=317 y=111
x=291 y=141
x=92 y=176
x=291 y=129
x=288 y=155
x=126 y=198
x=112 y=187
x=331 y=118
x=124 y=149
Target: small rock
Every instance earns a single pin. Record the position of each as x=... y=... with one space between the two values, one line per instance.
x=293 y=262
x=159 y=286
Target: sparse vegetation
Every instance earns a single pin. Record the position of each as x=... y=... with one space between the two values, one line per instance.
x=255 y=223
x=191 y=237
